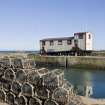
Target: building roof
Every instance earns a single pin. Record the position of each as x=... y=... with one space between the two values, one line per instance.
x=61 y=38
x=78 y=33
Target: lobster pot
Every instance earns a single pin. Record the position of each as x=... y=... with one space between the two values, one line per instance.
x=21 y=100
x=35 y=101
x=60 y=75
x=5 y=61
x=16 y=63
x=52 y=79
x=50 y=102
x=9 y=74
x=2 y=70
x=21 y=76
x=29 y=64
x=1 y=84
x=16 y=69
x=42 y=92
x=1 y=64
x=2 y=95
x=74 y=103
x=10 y=98
x=67 y=85
x=61 y=95
x=6 y=84
x=42 y=71
x=33 y=77
x=27 y=90
x=16 y=87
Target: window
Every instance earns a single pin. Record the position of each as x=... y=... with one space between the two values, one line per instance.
x=75 y=41
x=59 y=42
x=69 y=42
x=43 y=43
x=51 y=43
x=80 y=36
x=89 y=36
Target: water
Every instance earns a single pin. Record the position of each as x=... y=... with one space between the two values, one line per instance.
x=94 y=78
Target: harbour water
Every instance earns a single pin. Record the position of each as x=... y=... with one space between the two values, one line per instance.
x=82 y=78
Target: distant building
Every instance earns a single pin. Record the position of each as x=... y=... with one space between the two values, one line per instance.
x=81 y=41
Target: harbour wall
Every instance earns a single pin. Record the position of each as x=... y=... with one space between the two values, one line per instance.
x=81 y=62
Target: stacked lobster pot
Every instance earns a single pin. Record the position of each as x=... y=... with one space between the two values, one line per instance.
x=6 y=79
x=5 y=62
x=28 y=63
x=21 y=83
x=11 y=81
x=22 y=89
x=59 y=90
x=52 y=80
x=4 y=83
x=16 y=63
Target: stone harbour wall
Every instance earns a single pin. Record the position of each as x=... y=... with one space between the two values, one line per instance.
x=82 y=62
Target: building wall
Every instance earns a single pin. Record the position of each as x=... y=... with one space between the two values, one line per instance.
x=56 y=47
x=84 y=43
x=81 y=42
x=89 y=42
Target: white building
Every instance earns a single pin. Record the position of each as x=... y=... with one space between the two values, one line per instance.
x=81 y=40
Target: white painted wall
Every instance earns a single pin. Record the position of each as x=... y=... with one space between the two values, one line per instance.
x=84 y=44
x=81 y=42
x=89 y=42
x=56 y=47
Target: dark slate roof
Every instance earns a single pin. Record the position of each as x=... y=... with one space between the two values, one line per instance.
x=61 y=38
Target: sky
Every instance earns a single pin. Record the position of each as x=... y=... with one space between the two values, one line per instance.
x=24 y=22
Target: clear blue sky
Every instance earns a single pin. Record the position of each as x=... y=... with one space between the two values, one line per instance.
x=24 y=22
